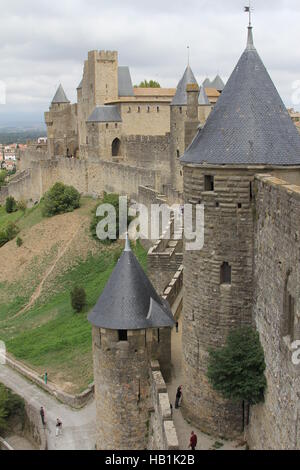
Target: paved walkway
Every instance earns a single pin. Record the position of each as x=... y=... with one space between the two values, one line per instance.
x=79 y=426
x=20 y=443
x=183 y=428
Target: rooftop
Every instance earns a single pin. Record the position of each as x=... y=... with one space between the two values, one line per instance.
x=60 y=96
x=129 y=301
x=105 y=113
x=249 y=124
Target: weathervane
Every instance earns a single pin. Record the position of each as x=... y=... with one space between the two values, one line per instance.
x=248 y=9
x=188 y=48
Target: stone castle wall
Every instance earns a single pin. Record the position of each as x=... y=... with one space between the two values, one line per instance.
x=162 y=432
x=88 y=177
x=212 y=308
x=276 y=423
x=149 y=152
x=149 y=118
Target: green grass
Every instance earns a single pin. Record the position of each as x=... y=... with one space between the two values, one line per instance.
x=23 y=219
x=50 y=336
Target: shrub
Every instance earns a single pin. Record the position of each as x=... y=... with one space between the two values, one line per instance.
x=22 y=206
x=11 y=405
x=236 y=370
x=10 y=205
x=9 y=232
x=112 y=199
x=3 y=175
x=60 y=199
x=19 y=242
x=78 y=299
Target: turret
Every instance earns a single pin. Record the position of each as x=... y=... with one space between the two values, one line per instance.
x=248 y=131
x=125 y=321
x=178 y=117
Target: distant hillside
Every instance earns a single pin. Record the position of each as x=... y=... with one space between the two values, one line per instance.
x=36 y=319
x=19 y=136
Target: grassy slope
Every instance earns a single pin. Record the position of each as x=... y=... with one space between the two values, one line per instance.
x=50 y=336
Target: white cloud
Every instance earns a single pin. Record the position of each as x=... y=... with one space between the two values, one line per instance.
x=44 y=43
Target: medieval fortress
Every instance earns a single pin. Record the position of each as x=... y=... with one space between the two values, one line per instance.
x=233 y=149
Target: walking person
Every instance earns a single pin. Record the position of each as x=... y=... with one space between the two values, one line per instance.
x=42 y=413
x=46 y=378
x=193 y=441
x=178 y=396
x=58 y=427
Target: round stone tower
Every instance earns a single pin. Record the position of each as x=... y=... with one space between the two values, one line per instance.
x=123 y=320
x=178 y=118
x=249 y=131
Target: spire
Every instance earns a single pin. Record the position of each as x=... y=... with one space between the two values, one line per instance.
x=127 y=243
x=129 y=301
x=203 y=99
x=249 y=124
x=250 y=43
x=180 y=98
x=60 y=96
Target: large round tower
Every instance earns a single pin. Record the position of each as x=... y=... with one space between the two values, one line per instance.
x=123 y=321
x=249 y=131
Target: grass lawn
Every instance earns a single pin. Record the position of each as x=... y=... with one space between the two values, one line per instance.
x=50 y=336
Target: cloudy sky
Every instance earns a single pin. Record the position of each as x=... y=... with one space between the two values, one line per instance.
x=43 y=43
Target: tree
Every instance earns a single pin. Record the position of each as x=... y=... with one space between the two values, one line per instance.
x=146 y=84
x=7 y=233
x=78 y=299
x=11 y=405
x=236 y=370
x=60 y=199
x=112 y=199
x=11 y=205
x=3 y=175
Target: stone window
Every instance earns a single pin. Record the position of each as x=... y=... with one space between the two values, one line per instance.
x=225 y=273
x=289 y=311
x=87 y=139
x=123 y=335
x=209 y=183
x=178 y=154
x=129 y=110
x=251 y=191
x=239 y=205
x=139 y=109
x=116 y=125
x=180 y=110
x=148 y=109
x=116 y=148
x=158 y=336
x=157 y=109
x=217 y=204
x=106 y=125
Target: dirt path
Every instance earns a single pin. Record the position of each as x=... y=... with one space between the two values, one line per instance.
x=38 y=290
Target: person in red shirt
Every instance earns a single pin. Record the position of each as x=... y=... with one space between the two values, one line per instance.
x=193 y=441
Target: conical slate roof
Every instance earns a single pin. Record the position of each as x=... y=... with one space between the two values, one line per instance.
x=129 y=301
x=207 y=83
x=203 y=100
x=249 y=123
x=60 y=96
x=218 y=83
x=180 y=98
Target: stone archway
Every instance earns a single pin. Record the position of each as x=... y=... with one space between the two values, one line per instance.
x=116 y=148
